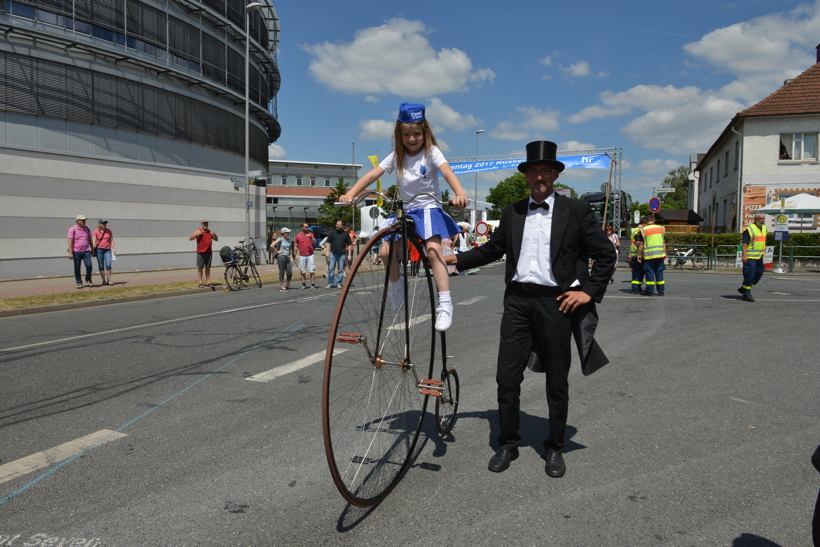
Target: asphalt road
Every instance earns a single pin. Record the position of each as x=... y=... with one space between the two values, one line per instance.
x=699 y=432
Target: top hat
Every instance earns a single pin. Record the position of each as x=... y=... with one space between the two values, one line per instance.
x=541 y=152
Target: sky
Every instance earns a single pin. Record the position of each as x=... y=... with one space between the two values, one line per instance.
x=659 y=80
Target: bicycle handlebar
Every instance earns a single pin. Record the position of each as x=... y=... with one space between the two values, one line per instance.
x=358 y=200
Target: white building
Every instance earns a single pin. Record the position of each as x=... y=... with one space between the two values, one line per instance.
x=767 y=152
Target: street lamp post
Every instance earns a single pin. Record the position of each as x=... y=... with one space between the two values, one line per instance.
x=475 y=192
x=253 y=6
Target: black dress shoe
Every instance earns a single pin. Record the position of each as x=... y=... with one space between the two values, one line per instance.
x=646 y=293
x=501 y=460
x=740 y=290
x=555 y=465
x=747 y=298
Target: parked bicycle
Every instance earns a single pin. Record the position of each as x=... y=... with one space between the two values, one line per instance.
x=378 y=374
x=678 y=258
x=240 y=267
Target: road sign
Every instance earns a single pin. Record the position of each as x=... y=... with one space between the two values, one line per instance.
x=249 y=204
x=237 y=180
x=374 y=213
x=482 y=228
x=654 y=205
x=664 y=190
x=637 y=217
x=253 y=174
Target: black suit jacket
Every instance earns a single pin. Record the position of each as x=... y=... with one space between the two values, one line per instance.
x=575 y=237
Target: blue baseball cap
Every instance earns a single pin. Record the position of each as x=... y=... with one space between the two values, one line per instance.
x=411 y=113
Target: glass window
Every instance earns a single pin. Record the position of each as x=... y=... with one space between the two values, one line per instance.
x=726 y=164
x=327 y=182
x=22 y=10
x=84 y=28
x=284 y=180
x=718 y=172
x=798 y=146
x=711 y=176
x=313 y=181
x=737 y=154
x=50 y=18
x=299 y=180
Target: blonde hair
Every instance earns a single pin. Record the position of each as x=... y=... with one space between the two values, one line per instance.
x=429 y=142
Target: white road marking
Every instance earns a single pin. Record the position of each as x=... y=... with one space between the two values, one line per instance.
x=26 y=465
x=269 y=375
x=741 y=400
x=146 y=325
x=471 y=301
x=413 y=322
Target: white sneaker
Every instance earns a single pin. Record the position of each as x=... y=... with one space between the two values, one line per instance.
x=444 y=318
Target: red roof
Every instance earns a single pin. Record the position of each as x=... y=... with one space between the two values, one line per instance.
x=799 y=96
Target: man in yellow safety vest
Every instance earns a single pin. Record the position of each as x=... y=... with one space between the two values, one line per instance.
x=752 y=245
x=634 y=264
x=651 y=252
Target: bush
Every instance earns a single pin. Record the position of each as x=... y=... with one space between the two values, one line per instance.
x=795 y=240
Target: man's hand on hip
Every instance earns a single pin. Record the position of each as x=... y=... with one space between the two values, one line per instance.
x=571 y=300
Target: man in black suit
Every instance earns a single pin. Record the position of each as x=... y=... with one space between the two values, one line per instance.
x=550 y=295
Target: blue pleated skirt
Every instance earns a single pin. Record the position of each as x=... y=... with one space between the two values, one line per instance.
x=429 y=223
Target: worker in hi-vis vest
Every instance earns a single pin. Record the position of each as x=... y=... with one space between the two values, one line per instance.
x=634 y=263
x=752 y=245
x=651 y=252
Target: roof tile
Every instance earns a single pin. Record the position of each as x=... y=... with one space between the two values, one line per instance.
x=799 y=96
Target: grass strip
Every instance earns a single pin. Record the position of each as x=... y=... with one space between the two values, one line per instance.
x=84 y=295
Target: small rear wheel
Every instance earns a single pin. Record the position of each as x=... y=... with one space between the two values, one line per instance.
x=233 y=277
x=447 y=403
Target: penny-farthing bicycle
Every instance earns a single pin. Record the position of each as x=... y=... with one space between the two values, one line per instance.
x=378 y=374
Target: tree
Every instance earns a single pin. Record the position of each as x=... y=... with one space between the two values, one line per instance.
x=512 y=189
x=329 y=213
x=679 y=180
x=387 y=207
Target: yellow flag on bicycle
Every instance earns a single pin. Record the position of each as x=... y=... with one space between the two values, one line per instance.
x=375 y=161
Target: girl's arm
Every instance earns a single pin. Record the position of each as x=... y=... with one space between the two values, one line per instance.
x=363 y=183
x=460 y=201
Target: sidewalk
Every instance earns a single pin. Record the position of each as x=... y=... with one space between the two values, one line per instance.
x=54 y=285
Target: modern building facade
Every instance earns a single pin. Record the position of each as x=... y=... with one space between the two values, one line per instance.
x=767 y=152
x=296 y=189
x=133 y=111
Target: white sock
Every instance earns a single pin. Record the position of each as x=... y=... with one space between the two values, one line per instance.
x=396 y=293
x=444 y=300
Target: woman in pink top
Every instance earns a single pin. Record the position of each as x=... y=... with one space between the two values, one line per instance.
x=104 y=244
x=79 y=250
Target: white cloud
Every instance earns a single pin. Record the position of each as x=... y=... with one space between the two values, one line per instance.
x=372 y=99
x=656 y=166
x=575 y=145
x=376 y=129
x=602 y=74
x=580 y=69
x=760 y=54
x=531 y=123
x=276 y=152
x=393 y=58
x=443 y=146
x=547 y=61
x=442 y=114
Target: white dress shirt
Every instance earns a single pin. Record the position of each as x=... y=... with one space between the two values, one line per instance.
x=534 y=261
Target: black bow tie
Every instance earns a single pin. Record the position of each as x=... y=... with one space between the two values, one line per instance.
x=544 y=205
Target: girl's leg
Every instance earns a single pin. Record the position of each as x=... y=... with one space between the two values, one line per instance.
x=444 y=311
x=436 y=258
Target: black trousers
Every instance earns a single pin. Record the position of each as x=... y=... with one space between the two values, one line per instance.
x=532 y=322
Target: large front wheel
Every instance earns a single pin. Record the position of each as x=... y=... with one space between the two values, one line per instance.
x=381 y=345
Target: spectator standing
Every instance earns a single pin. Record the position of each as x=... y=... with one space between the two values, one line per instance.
x=752 y=245
x=375 y=259
x=284 y=253
x=651 y=252
x=616 y=241
x=79 y=250
x=337 y=242
x=204 y=252
x=271 y=237
x=105 y=249
x=634 y=263
x=350 y=247
x=447 y=249
x=305 y=245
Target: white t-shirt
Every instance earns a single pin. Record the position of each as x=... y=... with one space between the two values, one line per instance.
x=420 y=174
